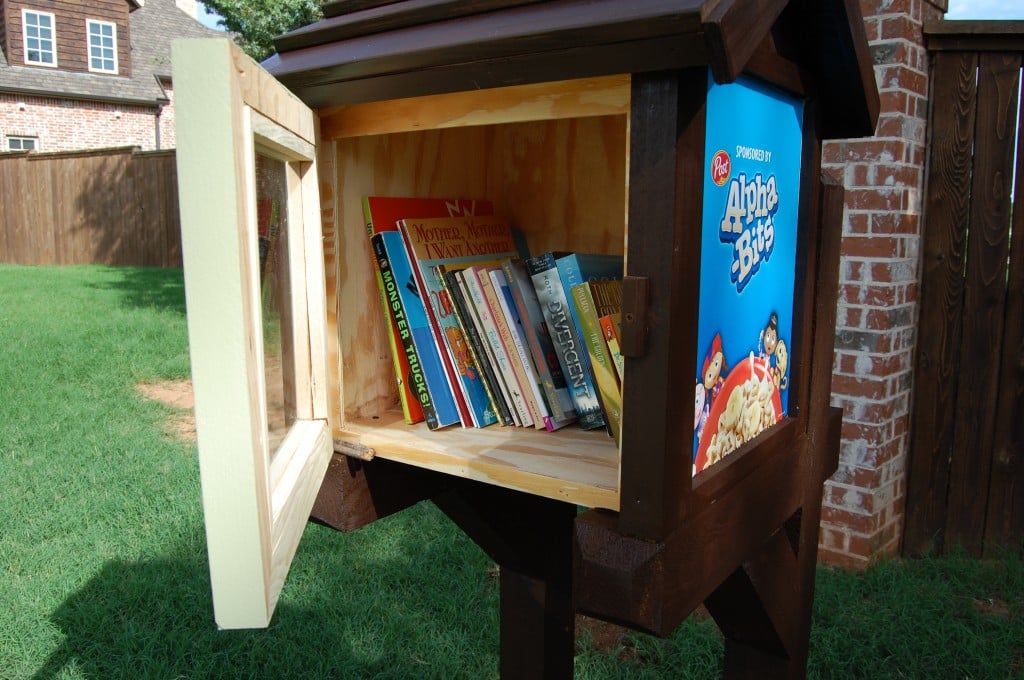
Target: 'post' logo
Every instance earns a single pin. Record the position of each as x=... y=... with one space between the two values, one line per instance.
x=721 y=165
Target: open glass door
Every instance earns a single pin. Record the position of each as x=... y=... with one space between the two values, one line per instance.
x=254 y=283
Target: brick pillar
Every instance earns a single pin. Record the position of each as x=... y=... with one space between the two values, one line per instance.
x=862 y=512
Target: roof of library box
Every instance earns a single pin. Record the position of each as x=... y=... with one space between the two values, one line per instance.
x=367 y=50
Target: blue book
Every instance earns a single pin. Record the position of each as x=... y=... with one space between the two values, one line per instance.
x=569 y=346
x=456 y=242
x=447 y=413
x=577 y=268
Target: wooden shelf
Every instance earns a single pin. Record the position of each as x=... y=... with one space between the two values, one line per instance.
x=570 y=464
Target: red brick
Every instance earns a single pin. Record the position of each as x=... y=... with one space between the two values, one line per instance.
x=879 y=295
x=898 y=271
x=847 y=363
x=853 y=271
x=868 y=412
x=861 y=545
x=857 y=387
x=896 y=223
x=833 y=539
x=888 y=7
x=861 y=523
x=899 y=77
x=849 y=317
x=896 y=101
x=882 y=199
x=872 y=246
x=847 y=498
x=60 y=125
x=840 y=559
x=873 y=27
x=874 y=434
x=858 y=223
x=869 y=150
x=900 y=27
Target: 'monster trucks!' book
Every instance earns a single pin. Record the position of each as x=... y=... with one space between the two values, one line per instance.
x=748 y=263
x=381 y=214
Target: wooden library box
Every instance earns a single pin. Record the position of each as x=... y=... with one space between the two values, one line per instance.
x=683 y=136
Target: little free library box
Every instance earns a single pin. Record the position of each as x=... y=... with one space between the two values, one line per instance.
x=682 y=136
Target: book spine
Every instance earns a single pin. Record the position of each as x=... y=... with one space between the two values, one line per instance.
x=538 y=341
x=515 y=400
x=467 y=373
x=408 y=394
x=514 y=375
x=396 y=313
x=609 y=325
x=476 y=349
x=437 y=333
x=416 y=317
x=571 y=352
x=467 y=284
x=528 y=377
x=600 y=361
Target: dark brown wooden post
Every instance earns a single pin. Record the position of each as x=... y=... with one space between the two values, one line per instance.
x=530 y=538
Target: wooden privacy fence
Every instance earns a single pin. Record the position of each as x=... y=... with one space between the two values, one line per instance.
x=108 y=206
x=965 y=481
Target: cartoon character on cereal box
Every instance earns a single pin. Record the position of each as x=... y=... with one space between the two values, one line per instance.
x=714 y=369
x=701 y=411
x=773 y=351
x=709 y=384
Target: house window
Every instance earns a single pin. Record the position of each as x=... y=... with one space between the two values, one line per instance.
x=22 y=143
x=40 y=40
x=102 y=46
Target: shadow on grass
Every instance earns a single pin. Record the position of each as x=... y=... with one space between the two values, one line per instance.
x=147 y=287
x=386 y=619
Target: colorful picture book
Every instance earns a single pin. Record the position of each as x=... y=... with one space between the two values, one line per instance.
x=472 y=331
x=456 y=241
x=426 y=374
x=381 y=214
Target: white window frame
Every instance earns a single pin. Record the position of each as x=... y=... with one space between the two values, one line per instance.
x=25 y=13
x=255 y=500
x=89 y=24
x=23 y=138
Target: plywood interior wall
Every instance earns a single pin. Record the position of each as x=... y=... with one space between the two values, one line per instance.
x=562 y=182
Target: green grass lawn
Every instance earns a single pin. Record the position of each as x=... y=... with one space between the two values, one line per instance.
x=103 y=565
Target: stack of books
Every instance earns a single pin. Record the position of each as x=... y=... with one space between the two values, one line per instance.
x=484 y=334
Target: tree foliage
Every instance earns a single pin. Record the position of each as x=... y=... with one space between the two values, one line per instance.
x=256 y=23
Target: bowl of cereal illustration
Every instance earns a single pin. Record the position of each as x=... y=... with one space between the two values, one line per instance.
x=747 y=404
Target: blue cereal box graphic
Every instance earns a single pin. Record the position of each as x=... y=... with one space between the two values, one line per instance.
x=753 y=151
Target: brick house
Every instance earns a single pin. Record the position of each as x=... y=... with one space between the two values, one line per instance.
x=83 y=75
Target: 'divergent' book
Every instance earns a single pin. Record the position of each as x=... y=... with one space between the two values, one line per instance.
x=538 y=340
x=572 y=354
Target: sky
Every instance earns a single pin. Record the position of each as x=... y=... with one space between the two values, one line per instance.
x=210 y=20
x=985 y=9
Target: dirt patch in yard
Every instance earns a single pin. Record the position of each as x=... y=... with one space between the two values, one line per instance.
x=178 y=395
